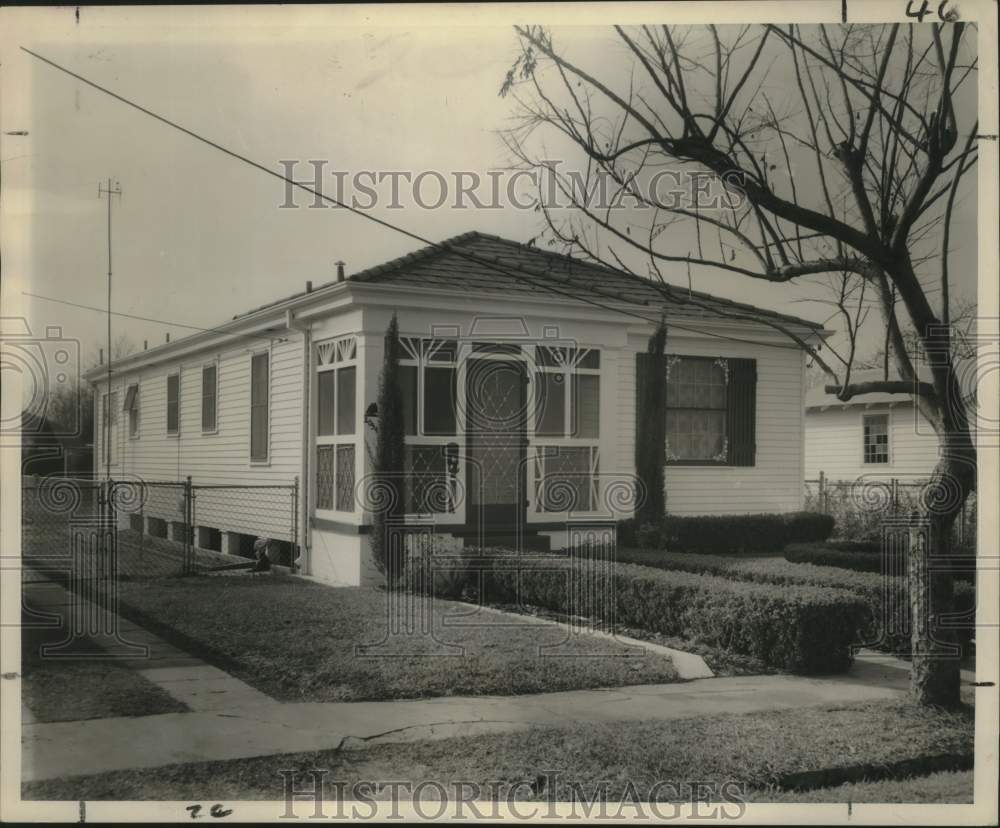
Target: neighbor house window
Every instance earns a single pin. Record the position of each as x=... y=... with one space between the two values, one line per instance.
x=336 y=423
x=209 y=395
x=429 y=383
x=259 y=370
x=876 y=438
x=567 y=427
x=173 y=403
x=132 y=409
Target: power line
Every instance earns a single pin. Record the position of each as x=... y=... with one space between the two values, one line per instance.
x=545 y=285
x=134 y=316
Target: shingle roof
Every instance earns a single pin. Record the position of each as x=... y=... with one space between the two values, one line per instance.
x=483 y=263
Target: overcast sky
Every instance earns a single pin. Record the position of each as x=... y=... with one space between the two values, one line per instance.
x=199 y=237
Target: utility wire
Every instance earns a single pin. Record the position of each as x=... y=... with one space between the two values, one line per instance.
x=545 y=285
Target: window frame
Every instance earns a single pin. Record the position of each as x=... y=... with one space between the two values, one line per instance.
x=722 y=458
x=331 y=356
x=266 y=459
x=865 y=416
x=214 y=364
x=421 y=353
x=177 y=430
x=567 y=360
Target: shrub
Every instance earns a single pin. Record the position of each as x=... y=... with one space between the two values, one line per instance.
x=886 y=598
x=860 y=556
x=797 y=628
x=728 y=534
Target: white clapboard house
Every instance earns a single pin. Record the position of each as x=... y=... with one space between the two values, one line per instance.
x=519 y=378
x=876 y=437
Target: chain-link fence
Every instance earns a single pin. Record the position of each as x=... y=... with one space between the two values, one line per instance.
x=85 y=528
x=861 y=506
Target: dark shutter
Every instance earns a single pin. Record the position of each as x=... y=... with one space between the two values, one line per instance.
x=641 y=375
x=258 y=406
x=208 y=390
x=741 y=425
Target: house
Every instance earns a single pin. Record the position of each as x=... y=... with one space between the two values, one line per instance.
x=520 y=401
x=876 y=437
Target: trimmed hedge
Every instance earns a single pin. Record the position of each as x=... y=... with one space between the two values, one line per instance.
x=728 y=534
x=800 y=628
x=881 y=602
x=860 y=556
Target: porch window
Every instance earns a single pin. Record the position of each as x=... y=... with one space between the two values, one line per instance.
x=173 y=403
x=567 y=427
x=132 y=409
x=336 y=423
x=876 y=438
x=429 y=386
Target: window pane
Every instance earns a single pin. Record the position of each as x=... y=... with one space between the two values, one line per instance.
x=324 y=477
x=587 y=402
x=550 y=404
x=325 y=392
x=876 y=438
x=427 y=490
x=439 y=400
x=346 y=414
x=345 y=478
x=590 y=359
x=567 y=481
x=408 y=387
x=694 y=434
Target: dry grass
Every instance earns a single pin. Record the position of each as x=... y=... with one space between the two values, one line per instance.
x=300 y=641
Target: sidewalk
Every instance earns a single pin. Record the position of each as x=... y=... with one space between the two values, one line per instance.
x=231 y=720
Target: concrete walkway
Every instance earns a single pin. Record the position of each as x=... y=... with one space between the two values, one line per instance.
x=231 y=720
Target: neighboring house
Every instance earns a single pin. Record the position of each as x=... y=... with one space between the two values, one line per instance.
x=520 y=385
x=872 y=436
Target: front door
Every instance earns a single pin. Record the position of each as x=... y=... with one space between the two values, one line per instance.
x=496 y=429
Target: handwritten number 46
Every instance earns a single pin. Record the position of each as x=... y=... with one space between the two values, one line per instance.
x=924 y=10
x=216 y=811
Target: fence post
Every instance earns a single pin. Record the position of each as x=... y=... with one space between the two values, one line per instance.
x=895 y=495
x=188 y=525
x=295 y=522
x=822 y=493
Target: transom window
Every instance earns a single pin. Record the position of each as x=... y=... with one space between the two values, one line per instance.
x=696 y=409
x=336 y=423
x=876 y=438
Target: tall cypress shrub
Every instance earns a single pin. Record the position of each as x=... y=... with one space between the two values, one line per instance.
x=388 y=462
x=651 y=427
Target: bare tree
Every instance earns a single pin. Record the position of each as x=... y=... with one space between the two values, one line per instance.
x=838 y=152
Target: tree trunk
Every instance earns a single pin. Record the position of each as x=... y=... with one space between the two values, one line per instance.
x=935 y=673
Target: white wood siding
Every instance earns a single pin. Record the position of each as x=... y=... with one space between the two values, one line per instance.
x=774 y=484
x=220 y=457
x=834 y=444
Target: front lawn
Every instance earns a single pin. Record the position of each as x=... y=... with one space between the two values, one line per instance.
x=951 y=787
x=298 y=641
x=758 y=750
x=62 y=689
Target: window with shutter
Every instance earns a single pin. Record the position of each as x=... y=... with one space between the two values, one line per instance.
x=710 y=411
x=258 y=406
